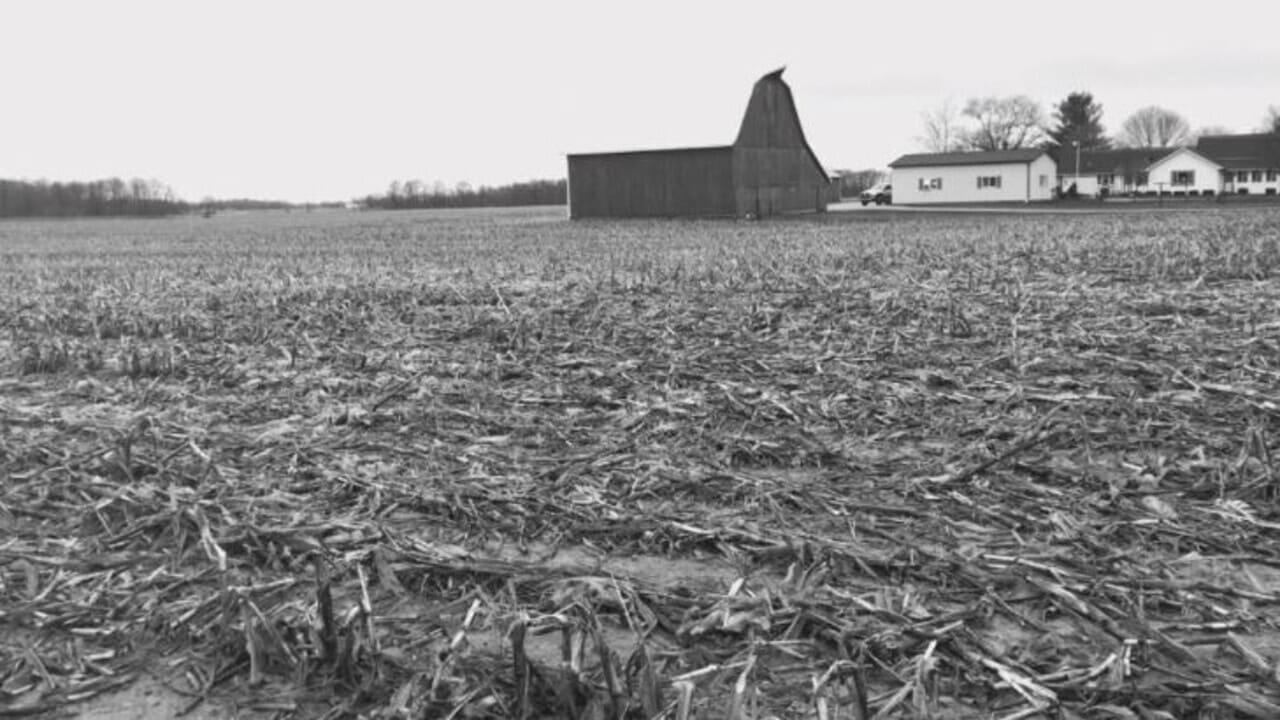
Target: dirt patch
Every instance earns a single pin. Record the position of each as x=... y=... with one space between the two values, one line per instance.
x=148 y=699
x=701 y=575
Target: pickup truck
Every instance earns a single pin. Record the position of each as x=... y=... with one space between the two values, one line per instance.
x=880 y=194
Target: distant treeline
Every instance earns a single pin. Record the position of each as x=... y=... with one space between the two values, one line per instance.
x=208 y=206
x=137 y=197
x=26 y=198
x=853 y=182
x=414 y=194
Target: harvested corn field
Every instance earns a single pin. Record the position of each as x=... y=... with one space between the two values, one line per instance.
x=496 y=464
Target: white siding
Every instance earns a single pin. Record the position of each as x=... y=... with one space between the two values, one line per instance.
x=1087 y=185
x=1018 y=182
x=1208 y=174
x=1043 y=171
x=1090 y=187
x=1268 y=182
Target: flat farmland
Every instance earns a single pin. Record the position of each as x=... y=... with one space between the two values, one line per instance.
x=497 y=464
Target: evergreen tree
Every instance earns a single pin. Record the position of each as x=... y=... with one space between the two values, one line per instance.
x=1079 y=119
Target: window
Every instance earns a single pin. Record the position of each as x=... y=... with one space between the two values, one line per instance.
x=1140 y=179
x=1182 y=177
x=989 y=181
x=1271 y=176
x=1242 y=176
x=1257 y=176
x=1104 y=180
x=1044 y=181
x=931 y=184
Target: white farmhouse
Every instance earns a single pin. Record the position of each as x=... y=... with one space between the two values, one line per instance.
x=973 y=177
x=1185 y=171
x=1110 y=172
x=1218 y=164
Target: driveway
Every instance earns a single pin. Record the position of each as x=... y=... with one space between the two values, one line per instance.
x=1084 y=208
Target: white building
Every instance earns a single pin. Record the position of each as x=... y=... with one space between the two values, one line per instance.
x=1250 y=163
x=1187 y=172
x=1119 y=171
x=1232 y=164
x=973 y=177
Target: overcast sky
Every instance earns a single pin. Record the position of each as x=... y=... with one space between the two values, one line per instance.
x=323 y=100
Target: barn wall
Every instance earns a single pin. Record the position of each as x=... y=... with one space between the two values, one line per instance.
x=661 y=183
x=775 y=170
x=770 y=181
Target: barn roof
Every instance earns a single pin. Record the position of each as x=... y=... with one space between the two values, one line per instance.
x=746 y=131
x=1118 y=161
x=989 y=157
x=1253 y=151
x=750 y=133
x=658 y=151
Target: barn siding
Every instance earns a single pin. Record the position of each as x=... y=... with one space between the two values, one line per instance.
x=771 y=181
x=661 y=183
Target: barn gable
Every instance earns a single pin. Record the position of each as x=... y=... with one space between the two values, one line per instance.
x=771 y=119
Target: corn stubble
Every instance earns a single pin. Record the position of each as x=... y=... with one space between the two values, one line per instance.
x=463 y=465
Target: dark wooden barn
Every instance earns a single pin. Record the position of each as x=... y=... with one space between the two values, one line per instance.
x=770 y=169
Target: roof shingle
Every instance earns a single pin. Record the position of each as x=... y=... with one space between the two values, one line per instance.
x=1121 y=161
x=1245 y=152
x=991 y=157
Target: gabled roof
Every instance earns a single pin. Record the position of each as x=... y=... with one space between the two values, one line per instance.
x=1255 y=151
x=658 y=151
x=990 y=157
x=1121 y=161
x=1184 y=151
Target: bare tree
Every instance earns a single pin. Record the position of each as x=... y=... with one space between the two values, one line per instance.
x=942 y=129
x=1154 y=126
x=1271 y=121
x=1005 y=123
x=414 y=190
x=853 y=182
